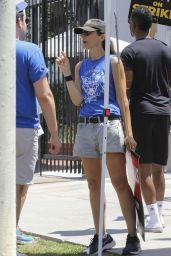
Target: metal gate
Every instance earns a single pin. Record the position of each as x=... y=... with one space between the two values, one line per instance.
x=51 y=27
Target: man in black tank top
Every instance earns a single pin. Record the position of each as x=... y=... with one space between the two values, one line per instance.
x=147 y=63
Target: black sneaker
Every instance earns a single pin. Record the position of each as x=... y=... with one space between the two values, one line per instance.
x=107 y=244
x=132 y=245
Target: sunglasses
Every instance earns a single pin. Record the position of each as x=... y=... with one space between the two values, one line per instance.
x=87 y=33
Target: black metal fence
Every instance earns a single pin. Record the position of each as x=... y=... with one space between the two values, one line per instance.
x=51 y=27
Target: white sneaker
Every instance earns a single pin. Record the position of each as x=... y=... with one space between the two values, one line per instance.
x=153 y=225
x=161 y=220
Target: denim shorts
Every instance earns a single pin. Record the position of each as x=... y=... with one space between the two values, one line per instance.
x=89 y=139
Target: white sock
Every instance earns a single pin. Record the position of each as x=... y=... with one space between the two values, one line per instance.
x=160 y=207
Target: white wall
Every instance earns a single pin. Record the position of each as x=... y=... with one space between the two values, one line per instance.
x=121 y=8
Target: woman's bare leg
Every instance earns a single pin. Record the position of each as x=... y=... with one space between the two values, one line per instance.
x=92 y=168
x=116 y=164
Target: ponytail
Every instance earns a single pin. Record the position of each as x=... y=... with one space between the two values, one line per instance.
x=112 y=47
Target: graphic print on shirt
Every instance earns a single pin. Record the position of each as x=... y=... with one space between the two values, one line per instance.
x=92 y=85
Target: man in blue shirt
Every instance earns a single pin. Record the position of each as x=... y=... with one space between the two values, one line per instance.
x=31 y=85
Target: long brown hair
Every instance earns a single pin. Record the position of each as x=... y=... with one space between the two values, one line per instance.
x=112 y=49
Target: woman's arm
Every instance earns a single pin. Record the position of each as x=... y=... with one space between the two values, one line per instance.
x=120 y=86
x=74 y=88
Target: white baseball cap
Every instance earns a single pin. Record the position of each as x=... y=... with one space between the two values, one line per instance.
x=20 y=6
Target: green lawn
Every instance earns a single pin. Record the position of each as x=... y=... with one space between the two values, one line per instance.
x=42 y=247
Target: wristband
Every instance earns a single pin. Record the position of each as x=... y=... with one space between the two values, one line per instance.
x=68 y=78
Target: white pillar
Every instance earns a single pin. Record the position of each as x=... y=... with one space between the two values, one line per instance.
x=7 y=128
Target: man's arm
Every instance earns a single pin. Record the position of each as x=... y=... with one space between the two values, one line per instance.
x=46 y=101
x=127 y=57
x=129 y=79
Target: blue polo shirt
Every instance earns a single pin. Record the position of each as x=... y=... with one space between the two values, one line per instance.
x=30 y=67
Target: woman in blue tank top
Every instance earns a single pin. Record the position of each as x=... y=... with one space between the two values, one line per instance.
x=87 y=92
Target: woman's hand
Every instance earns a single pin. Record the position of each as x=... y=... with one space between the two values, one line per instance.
x=63 y=64
x=130 y=143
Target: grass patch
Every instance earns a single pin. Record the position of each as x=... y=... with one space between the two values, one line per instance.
x=41 y=247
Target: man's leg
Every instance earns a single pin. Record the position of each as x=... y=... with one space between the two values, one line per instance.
x=160 y=156
x=159 y=183
x=21 y=193
x=147 y=185
x=26 y=157
x=146 y=134
x=149 y=195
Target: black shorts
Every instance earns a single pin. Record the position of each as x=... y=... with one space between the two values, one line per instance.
x=151 y=133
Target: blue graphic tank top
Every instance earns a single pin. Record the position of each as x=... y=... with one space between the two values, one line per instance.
x=92 y=81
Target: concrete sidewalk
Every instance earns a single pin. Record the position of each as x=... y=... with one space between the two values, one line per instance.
x=59 y=208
